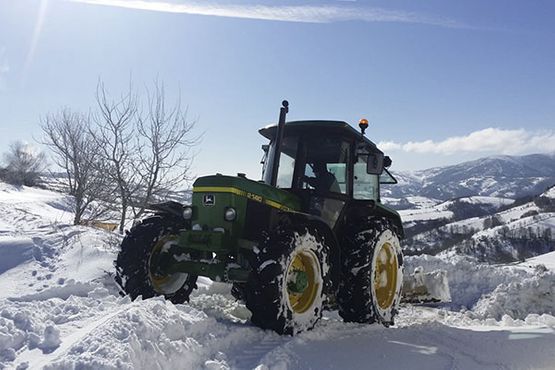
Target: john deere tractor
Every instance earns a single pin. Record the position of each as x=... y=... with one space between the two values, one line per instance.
x=312 y=234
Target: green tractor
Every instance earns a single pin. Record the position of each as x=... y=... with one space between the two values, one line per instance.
x=312 y=234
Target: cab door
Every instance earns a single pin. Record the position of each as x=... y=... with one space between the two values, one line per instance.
x=326 y=159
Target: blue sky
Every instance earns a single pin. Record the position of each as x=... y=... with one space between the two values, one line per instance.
x=440 y=81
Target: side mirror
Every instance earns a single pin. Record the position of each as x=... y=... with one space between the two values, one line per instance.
x=387 y=161
x=375 y=164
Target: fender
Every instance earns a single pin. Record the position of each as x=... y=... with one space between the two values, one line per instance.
x=169 y=207
x=361 y=209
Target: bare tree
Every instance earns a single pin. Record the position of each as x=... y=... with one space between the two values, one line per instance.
x=120 y=157
x=166 y=142
x=75 y=151
x=114 y=136
x=23 y=164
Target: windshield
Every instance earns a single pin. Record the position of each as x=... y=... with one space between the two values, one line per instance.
x=325 y=168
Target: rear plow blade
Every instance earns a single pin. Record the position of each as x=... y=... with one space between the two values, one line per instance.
x=426 y=287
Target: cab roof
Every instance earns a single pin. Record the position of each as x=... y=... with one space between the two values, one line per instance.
x=321 y=127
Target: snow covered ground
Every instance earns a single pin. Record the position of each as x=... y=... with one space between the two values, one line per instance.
x=59 y=309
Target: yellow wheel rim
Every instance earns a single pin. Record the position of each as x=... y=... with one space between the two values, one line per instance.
x=385 y=276
x=164 y=284
x=302 y=281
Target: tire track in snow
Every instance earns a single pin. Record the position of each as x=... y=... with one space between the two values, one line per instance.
x=251 y=354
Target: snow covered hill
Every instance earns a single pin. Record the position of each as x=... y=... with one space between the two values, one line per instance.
x=491 y=229
x=501 y=176
x=59 y=309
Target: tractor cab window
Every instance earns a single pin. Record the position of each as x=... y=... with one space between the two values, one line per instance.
x=286 y=169
x=326 y=165
x=286 y=162
x=387 y=178
x=365 y=186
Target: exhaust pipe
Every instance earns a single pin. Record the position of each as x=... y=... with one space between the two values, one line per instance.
x=279 y=138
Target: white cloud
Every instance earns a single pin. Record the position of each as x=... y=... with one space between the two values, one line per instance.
x=287 y=13
x=389 y=145
x=489 y=140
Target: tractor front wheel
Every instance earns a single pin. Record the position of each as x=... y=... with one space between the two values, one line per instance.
x=286 y=289
x=372 y=274
x=136 y=269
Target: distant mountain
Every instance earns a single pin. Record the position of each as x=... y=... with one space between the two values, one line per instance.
x=496 y=209
x=500 y=176
x=491 y=229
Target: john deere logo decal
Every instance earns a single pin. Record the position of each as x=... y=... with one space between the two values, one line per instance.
x=209 y=200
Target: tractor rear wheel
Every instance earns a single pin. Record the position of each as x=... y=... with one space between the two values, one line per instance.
x=372 y=274
x=136 y=271
x=286 y=289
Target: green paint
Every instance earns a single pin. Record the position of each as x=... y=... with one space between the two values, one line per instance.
x=230 y=191
x=299 y=283
x=252 y=187
x=213 y=234
x=204 y=241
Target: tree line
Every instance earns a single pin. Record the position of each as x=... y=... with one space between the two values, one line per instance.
x=124 y=153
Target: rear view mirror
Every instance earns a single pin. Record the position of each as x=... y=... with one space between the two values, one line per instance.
x=375 y=163
x=387 y=161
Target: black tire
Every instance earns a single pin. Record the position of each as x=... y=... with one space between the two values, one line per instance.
x=133 y=270
x=274 y=292
x=366 y=295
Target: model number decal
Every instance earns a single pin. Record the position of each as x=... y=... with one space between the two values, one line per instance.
x=255 y=197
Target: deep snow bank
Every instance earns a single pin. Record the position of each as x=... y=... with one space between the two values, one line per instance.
x=518 y=299
x=498 y=292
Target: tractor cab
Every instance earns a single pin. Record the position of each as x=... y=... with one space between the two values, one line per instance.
x=327 y=164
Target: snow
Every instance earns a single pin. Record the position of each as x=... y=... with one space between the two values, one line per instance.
x=430 y=211
x=547 y=260
x=59 y=309
x=550 y=193
x=427 y=214
x=519 y=299
x=416 y=202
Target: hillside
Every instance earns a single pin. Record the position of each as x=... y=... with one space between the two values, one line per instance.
x=491 y=229
x=496 y=209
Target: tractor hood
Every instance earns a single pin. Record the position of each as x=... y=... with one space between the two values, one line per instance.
x=249 y=189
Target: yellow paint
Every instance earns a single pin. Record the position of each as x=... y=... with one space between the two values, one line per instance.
x=306 y=262
x=385 y=275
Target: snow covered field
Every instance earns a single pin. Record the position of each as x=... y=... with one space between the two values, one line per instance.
x=59 y=309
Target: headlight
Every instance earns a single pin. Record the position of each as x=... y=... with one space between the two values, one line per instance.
x=187 y=213
x=230 y=214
